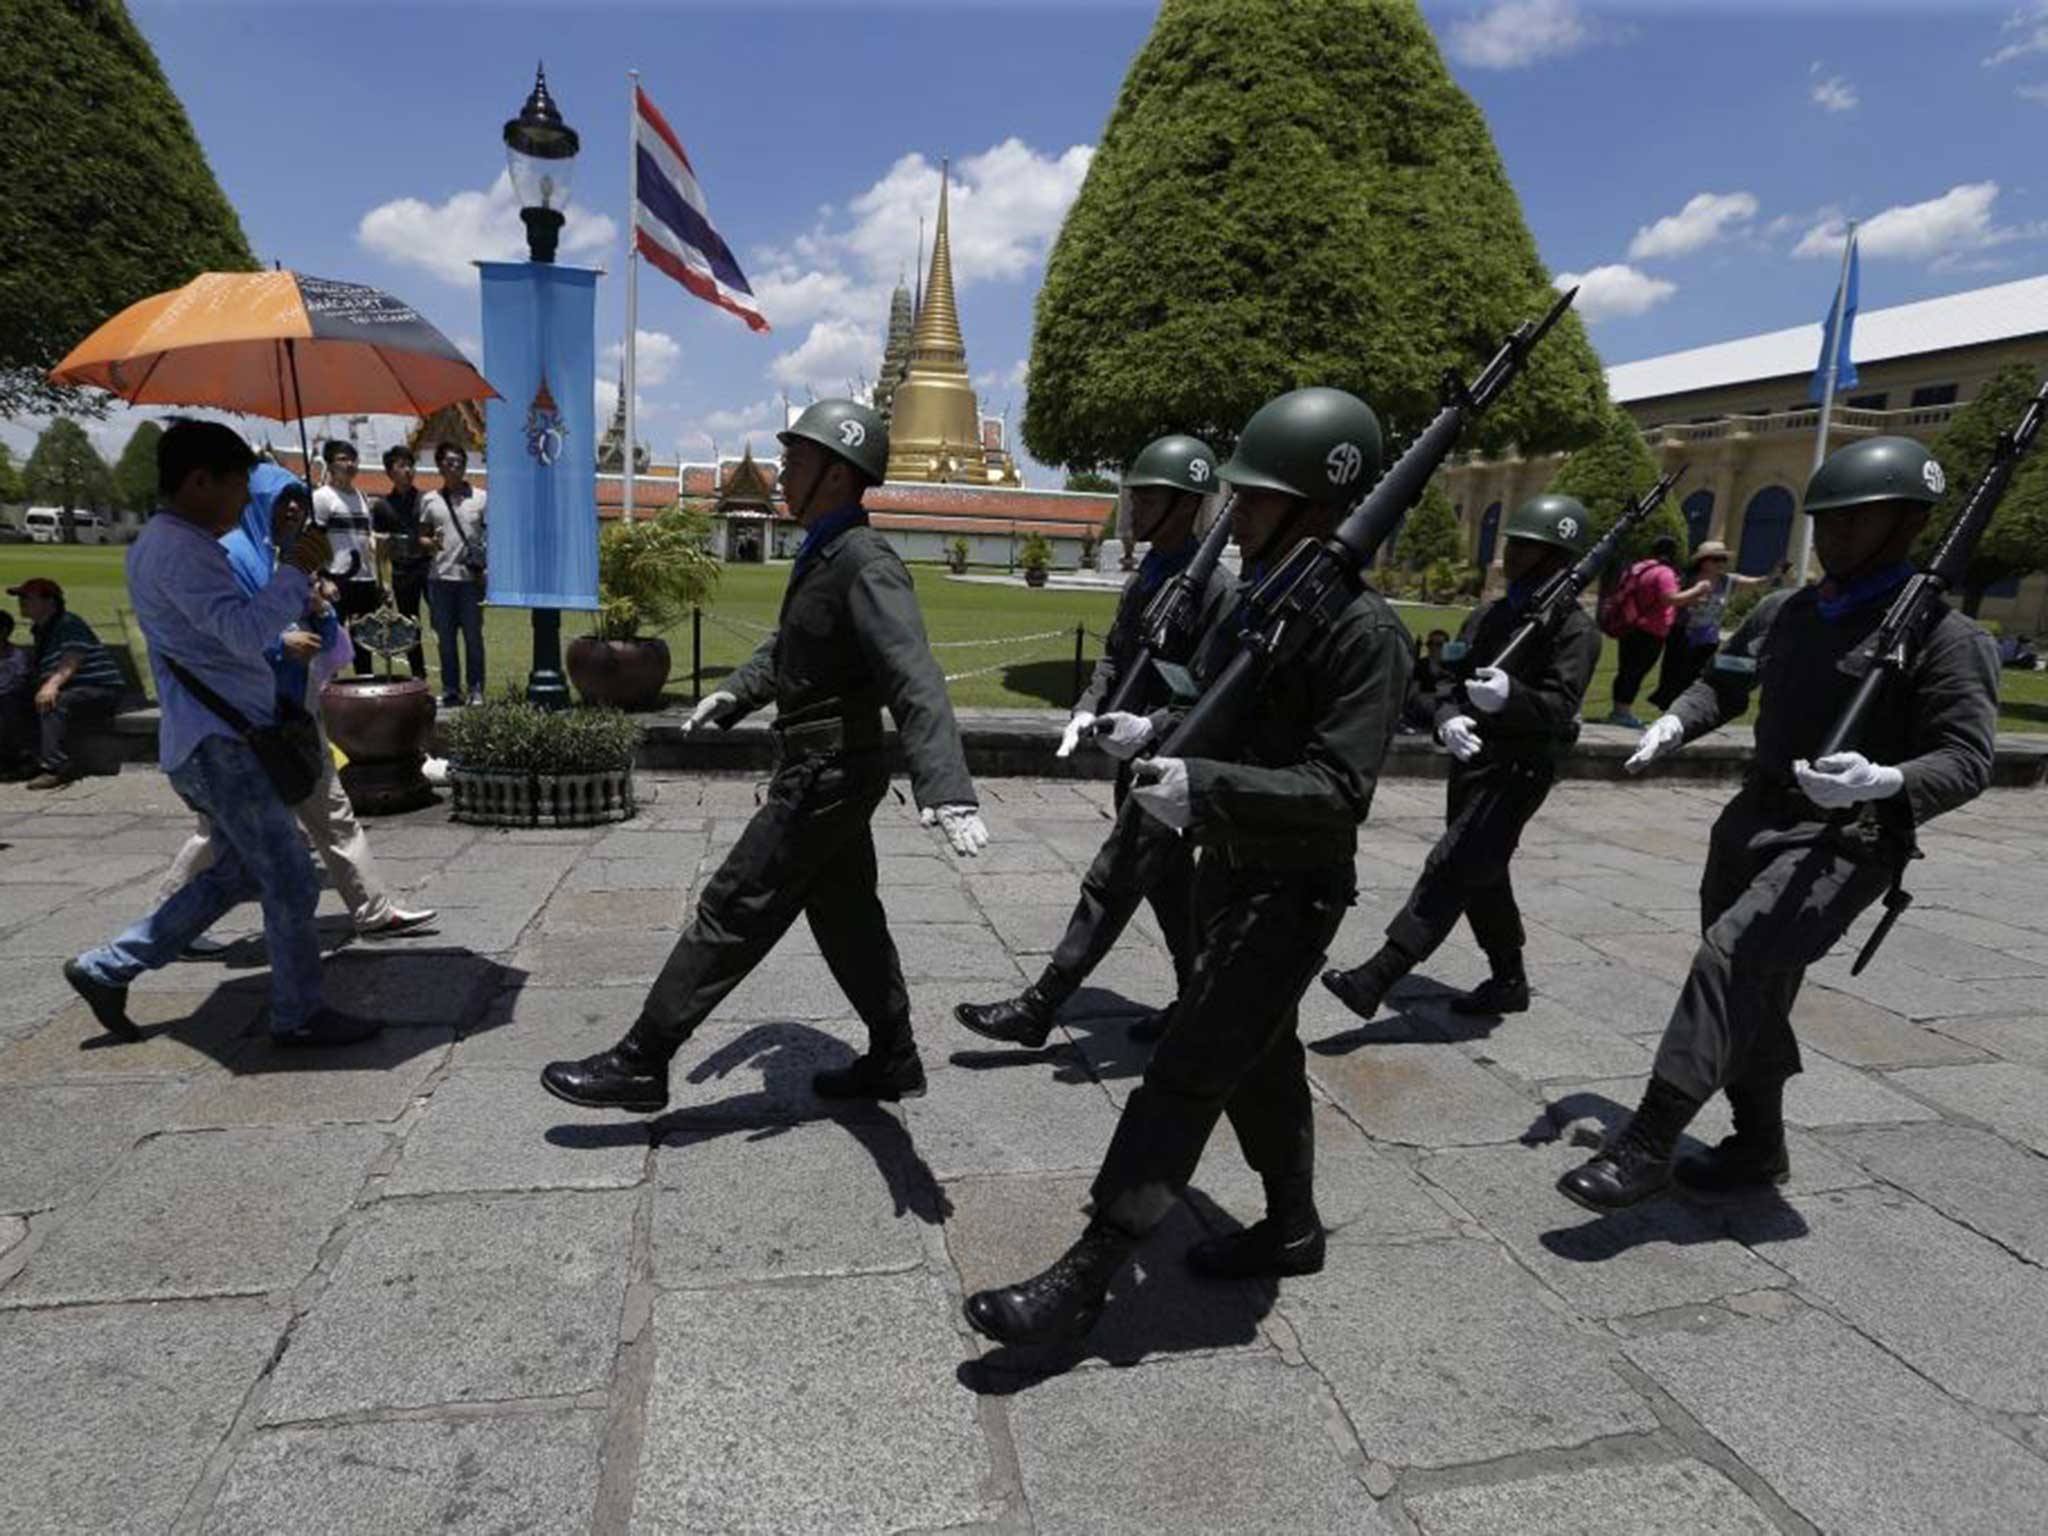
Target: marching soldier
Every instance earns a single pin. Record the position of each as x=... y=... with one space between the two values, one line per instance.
x=1276 y=831
x=1805 y=845
x=1141 y=859
x=850 y=641
x=1506 y=760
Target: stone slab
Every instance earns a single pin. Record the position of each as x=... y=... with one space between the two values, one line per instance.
x=1626 y=999
x=210 y=1214
x=1423 y=1095
x=474 y=1477
x=57 y=1139
x=496 y=1129
x=625 y=959
x=1014 y=1118
x=527 y=1027
x=828 y=1406
x=734 y=1073
x=1971 y=1176
x=829 y=1198
x=417 y=986
x=1672 y=1498
x=949 y=951
x=1220 y=1444
x=479 y=1299
x=1362 y=1195
x=116 y=1410
x=789 y=984
x=2011 y=1099
x=1861 y=1034
x=1447 y=1352
x=614 y=909
x=182 y=1033
x=1548 y=1042
x=2020 y=1037
x=1905 y=1461
x=1827 y=1093
x=375 y=1080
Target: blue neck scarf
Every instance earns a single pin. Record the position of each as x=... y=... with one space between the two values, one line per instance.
x=1161 y=564
x=823 y=532
x=1838 y=602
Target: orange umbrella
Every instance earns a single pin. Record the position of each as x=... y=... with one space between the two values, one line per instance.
x=277 y=344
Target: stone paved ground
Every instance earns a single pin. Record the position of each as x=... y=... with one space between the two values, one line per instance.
x=400 y=1288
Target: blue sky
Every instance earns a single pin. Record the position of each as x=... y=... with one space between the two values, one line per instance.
x=362 y=142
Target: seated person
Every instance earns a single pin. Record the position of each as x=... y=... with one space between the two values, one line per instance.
x=17 y=705
x=76 y=680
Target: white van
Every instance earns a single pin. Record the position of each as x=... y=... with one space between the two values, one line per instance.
x=45 y=525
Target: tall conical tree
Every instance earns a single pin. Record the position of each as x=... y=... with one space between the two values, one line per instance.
x=1609 y=473
x=109 y=196
x=1293 y=192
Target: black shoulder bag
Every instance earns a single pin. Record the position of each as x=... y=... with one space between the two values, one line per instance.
x=293 y=756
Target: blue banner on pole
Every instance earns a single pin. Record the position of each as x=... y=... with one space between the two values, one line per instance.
x=1835 y=346
x=540 y=351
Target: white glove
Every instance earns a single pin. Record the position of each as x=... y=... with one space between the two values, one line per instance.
x=1457 y=734
x=1122 y=736
x=1488 y=689
x=1661 y=737
x=963 y=827
x=1846 y=778
x=1077 y=727
x=703 y=713
x=1163 y=794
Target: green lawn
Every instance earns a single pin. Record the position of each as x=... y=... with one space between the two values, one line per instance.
x=1007 y=671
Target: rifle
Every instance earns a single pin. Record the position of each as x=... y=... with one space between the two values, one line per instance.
x=1307 y=592
x=1172 y=619
x=1912 y=615
x=1562 y=591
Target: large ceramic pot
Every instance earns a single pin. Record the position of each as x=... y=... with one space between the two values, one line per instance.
x=626 y=673
x=383 y=725
x=1034 y=576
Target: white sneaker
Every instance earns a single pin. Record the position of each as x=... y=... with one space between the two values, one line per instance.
x=395 y=922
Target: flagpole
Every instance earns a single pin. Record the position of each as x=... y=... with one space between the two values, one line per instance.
x=1827 y=399
x=632 y=272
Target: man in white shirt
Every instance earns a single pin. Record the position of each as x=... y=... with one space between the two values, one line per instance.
x=343 y=513
x=455 y=581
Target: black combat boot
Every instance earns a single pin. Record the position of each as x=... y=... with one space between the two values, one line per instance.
x=1505 y=991
x=632 y=1075
x=1636 y=1162
x=1152 y=1026
x=1287 y=1240
x=1755 y=1157
x=1361 y=989
x=1058 y=1304
x=1025 y=1020
x=889 y=1070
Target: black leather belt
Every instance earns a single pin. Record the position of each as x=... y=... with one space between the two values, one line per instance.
x=818 y=738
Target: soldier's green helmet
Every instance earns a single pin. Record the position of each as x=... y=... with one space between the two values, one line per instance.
x=1176 y=462
x=846 y=428
x=1876 y=469
x=1319 y=444
x=1559 y=521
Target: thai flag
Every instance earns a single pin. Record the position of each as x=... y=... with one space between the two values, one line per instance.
x=671 y=225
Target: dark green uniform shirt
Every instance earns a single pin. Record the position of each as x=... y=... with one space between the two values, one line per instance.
x=851 y=640
x=1541 y=716
x=1127 y=635
x=1936 y=723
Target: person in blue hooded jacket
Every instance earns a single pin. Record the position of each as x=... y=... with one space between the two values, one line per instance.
x=303 y=657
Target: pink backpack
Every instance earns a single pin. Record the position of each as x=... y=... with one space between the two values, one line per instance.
x=1619 y=612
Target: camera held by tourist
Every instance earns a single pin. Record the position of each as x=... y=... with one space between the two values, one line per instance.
x=343 y=513
x=396 y=518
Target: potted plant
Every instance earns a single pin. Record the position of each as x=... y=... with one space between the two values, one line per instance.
x=583 y=768
x=1035 y=556
x=649 y=574
x=956 y=557
x=492 y=750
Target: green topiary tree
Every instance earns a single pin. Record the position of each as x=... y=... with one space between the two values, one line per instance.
x=1090 y=480
x=65 y=469
x=135 y=470
x=1609 y=473
x=650 y=572
x=10 y=477
x=1291 y=194
x=2017 y=540
x=109 y=196
x=1431 y=533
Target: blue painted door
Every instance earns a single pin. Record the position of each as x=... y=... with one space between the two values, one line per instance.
x=1699 y=517
x=1489 y=533
x=1766 y=531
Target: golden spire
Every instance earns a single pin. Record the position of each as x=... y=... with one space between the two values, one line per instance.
x=937 y=336
x=932 y=407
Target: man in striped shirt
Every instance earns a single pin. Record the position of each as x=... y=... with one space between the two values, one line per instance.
x=76 y=680
x=343 y=513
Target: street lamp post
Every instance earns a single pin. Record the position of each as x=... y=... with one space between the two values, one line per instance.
x=540 y=150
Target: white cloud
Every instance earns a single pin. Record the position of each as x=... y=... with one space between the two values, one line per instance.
x=1513 y=34
x=1958 y=221
x=445 y=239
x=1611 y=292
x=2030 y=22
x=1835 y=94
x=996 y=379
x=829 y=358
x=656 y=356
x=1706 y=217
x=2032 y=92
x=731 y=430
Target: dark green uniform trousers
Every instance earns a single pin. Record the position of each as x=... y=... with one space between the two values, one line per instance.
x=1779 y=892
x=1466 y=873
x=1233 y=1046
x=807 y=851
x=1141 y=860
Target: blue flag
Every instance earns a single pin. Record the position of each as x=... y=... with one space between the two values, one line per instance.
x=540 y=351
x=1845 y=366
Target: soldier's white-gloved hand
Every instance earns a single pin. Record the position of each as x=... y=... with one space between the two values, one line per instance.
x=1661 y=737
x=1458 y=735
x=963 y=827
x=1846 y=778
x=1077 y=727
x=1122 y=736
x=1162 y=791
x=709 y=710
x=1488 y=689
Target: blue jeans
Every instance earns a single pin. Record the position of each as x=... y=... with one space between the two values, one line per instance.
x=262 y=855
x=458 y=607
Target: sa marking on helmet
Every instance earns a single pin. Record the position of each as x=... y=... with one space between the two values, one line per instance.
x=852 y=433
x=1198 y=471
x=1935 y=480
x=1568 y=527
x=1344 y=462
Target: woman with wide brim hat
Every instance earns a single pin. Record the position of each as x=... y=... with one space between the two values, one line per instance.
x=1701 y=603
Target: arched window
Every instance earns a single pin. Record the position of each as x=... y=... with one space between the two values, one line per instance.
x=1699 y=517
x=1766 y=531
x=1489 y=533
